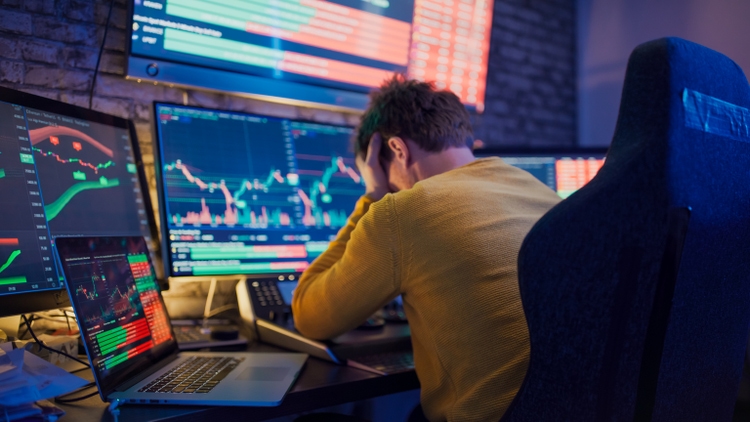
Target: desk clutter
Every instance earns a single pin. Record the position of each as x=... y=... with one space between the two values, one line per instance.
x=27 y=381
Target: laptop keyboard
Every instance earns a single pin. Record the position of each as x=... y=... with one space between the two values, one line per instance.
x=389 y=362
x=197 y=375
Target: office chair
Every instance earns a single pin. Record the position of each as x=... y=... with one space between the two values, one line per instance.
x=637 y=287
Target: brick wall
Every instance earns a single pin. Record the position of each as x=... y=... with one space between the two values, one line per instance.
x=531 y=88
x=49 y=48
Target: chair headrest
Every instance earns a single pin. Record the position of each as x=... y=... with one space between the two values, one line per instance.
x=661 y=82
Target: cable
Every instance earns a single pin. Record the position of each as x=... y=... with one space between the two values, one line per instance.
x=35 y=317
x=67 y=318
x=79 y=370
x=99 y=57
x=58 y=399
x=44 y=346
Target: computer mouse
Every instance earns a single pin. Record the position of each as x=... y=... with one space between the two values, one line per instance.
x=224 y=332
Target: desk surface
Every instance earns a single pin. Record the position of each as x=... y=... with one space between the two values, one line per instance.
x=320 y=384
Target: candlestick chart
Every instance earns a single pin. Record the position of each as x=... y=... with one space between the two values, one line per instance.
x=111 y=304
x=113 y=289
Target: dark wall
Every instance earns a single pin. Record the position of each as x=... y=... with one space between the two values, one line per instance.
x=49 y=48
x=609 y=30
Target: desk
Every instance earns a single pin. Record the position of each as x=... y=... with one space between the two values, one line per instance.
x=320 y=384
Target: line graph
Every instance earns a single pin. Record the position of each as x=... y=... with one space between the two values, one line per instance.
x=53 y=209
x=236 y=211
x=86 y=176
x=17 y=279
x=94 y=167
x=44 y=133
x=10 y=260
x=319 y=191
x=93 y=293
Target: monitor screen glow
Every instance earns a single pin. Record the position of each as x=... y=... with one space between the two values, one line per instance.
x=250 y=194
x=563 y=170
x=320 y=46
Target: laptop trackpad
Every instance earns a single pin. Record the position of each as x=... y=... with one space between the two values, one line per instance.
x=263 y=373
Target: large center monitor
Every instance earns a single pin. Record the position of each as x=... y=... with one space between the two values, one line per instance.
x=250 y=194
x=64 y=171
x=564 y=170
x=330 y=52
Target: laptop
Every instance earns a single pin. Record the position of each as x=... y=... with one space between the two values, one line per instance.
x=130 y=343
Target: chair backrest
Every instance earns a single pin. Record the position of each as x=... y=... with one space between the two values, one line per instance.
x=637 y=287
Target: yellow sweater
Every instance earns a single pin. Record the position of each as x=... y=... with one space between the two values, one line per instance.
x=449 y=246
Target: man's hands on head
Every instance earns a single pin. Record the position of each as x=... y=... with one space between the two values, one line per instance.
x=376 y=182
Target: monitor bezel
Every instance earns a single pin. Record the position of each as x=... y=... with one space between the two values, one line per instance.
x=36 y=301
x=161 y=194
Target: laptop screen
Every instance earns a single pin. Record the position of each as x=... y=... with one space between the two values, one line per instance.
x=113 y=289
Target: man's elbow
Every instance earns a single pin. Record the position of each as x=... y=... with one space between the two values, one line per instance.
x=311 y=329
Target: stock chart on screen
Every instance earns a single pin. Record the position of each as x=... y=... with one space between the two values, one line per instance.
x=244 y=194
x=88 y=176
x=345 y=44
x=115 y=294
x=26 y=260
x=61 y=176
x=564 y=171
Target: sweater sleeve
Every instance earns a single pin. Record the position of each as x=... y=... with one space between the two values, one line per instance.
x=354 y=277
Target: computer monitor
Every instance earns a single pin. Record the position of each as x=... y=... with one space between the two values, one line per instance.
x=64 y=171
x=249 y=194
x=564 y=170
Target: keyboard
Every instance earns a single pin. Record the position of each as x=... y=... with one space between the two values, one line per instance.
x=197 y=375
x=385 y=363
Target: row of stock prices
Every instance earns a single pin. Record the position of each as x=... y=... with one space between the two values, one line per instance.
x=252 y=194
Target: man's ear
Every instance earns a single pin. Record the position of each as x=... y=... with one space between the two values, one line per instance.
x=400 y=150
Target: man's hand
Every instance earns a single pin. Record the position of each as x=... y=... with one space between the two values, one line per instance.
x=376 y=182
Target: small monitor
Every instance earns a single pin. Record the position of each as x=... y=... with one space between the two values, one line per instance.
x=563 y=170
x=250 y=194
x=64 y=171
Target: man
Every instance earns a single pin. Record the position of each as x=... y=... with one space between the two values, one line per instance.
x=443 y=230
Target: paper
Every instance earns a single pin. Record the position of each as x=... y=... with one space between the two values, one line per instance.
x=28 y=378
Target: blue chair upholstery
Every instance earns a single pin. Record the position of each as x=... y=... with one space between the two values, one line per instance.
x=637 y=287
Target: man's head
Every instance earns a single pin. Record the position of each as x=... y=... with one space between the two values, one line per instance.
x=414 y=120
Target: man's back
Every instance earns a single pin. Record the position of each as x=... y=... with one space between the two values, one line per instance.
x=449 y=245
x=460 y=233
